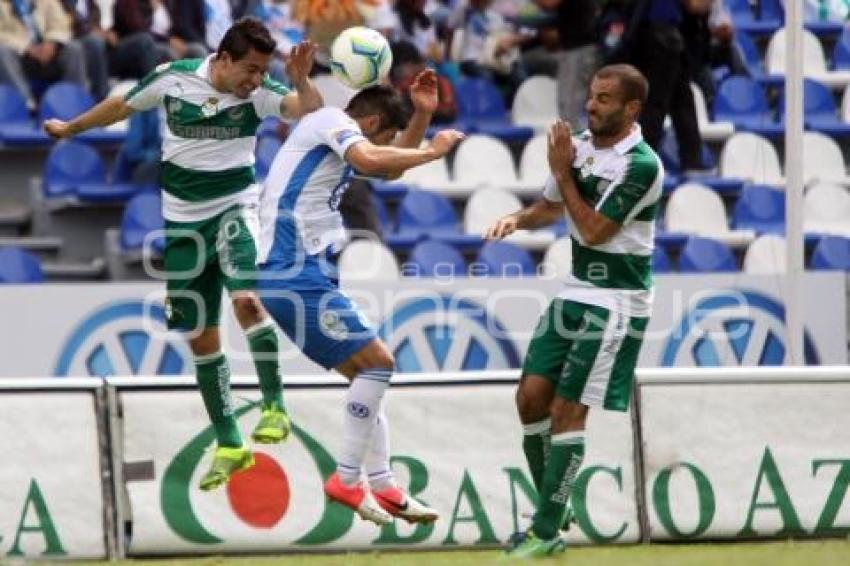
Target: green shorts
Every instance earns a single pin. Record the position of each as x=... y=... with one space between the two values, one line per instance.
x=202 y=258
x=588 y=352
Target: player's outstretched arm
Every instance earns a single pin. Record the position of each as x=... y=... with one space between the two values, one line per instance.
x=425 y=98
x=306 y=97
x=386 y=160
x=542 y=213
x=106 y=112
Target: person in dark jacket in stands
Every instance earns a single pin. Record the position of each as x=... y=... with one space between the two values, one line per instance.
x=173 y=40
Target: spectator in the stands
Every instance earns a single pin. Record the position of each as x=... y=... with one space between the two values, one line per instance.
x=187 y=32
x=659 y=53
x=490 y=46
x=153 y=17
x=708 y=32
x=218 y=19
x=415 y=27
x=578 y=55
x=826 y=10
x=36 y=43
x=85 y=15
x=284 y=28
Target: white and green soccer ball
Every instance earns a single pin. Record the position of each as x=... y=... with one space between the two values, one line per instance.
x=361 y=57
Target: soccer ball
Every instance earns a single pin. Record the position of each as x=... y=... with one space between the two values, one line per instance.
x=361 y=57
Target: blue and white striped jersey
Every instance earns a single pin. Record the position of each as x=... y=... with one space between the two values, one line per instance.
x=299 y=216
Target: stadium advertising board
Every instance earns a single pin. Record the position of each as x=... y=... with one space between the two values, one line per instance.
x=746 y=460
x=51 y=500
x=430 y=325
x=456 y=447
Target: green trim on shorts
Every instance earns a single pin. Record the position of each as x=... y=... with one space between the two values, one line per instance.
x=196 y=277
x=588 y=352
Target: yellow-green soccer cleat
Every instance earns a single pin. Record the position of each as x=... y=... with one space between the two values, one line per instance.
x=274 y=427
x=528 y=545
x=226 y=462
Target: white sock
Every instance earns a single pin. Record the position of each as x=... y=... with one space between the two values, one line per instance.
x=377 y=463
x=361 y=410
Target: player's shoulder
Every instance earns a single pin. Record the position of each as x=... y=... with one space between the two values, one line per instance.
x=183 y=66
x=277 y=87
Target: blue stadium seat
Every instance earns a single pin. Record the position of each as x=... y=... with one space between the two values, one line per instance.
x=13 y=111
x=426 y=214
x=660 y=260
x=482 y=110
x=819 y=111
x=673 y=171
x=745 y=19
x=18 y=266
x=704 y=255
x=65 y=100
x=16 y=126
x=760 y=208
x=742 y=101
x=267 y=147
x=431 y=258
x=142 y=214
x=832 y=252
x=755 y=62
x=502 y=259
x=841 y=53
x=74 y=169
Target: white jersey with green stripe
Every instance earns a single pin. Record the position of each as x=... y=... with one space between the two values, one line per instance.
x=208 y=137
x=623 y=183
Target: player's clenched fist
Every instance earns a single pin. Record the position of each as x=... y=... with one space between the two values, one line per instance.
x=502 y=227
x=445 y=140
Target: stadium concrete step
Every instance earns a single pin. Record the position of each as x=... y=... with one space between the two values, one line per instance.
x=14 y=218
x=43 y=246
x=75 y=271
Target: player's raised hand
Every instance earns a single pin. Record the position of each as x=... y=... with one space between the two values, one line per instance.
x=300 y=61
x=561 y=151
x=57 y=129
x=504 y=226
x=424 y=92
x=445 y=140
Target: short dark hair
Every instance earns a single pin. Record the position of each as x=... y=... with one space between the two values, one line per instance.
x=382 y=101
x=246 y=34
x=633 y=85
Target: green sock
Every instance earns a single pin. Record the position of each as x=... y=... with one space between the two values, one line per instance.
x=213 y=375
x=561 y=470
x=264 y=349
x=535 y=443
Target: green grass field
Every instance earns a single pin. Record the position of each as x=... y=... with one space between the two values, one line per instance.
x=798 y=553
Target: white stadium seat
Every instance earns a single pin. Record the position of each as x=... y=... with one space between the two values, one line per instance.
x=485 y=161
x=823 y=160
x=696 y=209
x=826 y=210
x=558 y=260
x=534 y=164
x=765 y=255
x=367 y=260
x=710 y=131
x=751 y=157
x=814 y=60
x=486 y=205
x=535 y=103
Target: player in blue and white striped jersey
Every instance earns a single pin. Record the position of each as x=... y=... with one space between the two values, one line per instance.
x=301 y=231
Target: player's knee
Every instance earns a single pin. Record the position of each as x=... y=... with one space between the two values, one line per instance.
x=567 y=414
x=528 y=407
x=247 y=308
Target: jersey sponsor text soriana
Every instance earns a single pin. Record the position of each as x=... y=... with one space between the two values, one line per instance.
x=622 y=182
x=208 y=137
